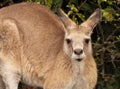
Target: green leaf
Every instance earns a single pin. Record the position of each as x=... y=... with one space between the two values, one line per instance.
x=72 y=7
x=109 y=13
x=69 y=13
x=81 y=16
x=118 y=38
x=74 y=19
x=48 y=3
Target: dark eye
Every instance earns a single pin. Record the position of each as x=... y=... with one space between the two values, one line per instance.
x=68 y=41
x=87 y=41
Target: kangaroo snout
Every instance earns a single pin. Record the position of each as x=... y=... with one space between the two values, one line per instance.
x=78 y=51
x=78 y=54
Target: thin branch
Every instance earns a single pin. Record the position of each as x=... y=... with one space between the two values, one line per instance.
x=117 y=7
x=101 y=32
x=82 y=4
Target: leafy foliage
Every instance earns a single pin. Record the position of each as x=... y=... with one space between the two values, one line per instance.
x=106 y=36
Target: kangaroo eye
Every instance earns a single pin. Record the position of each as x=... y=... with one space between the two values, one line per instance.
x=87 y=41
x=68 y=41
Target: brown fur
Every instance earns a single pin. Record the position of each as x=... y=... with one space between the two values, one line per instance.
x=32 y=50
x=1 y=84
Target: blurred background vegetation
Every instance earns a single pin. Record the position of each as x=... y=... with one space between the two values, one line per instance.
x=106 y=36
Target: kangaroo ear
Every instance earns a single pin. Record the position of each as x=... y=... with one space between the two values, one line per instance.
x=10 y=24
x=10 y=27
x=92 y=21
x=68 y=23
x=10 y=33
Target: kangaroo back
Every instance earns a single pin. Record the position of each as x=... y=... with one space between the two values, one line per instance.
x=31 y=37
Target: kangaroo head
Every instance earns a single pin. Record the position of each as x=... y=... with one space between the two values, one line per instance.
x=77 y=41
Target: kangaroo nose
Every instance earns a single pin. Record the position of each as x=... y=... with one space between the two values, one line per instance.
x=78 y=51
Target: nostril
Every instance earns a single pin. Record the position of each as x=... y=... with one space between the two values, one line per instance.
x=81 y=51
x=78 y=51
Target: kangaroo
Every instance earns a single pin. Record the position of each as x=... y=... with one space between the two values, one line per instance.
x=42 y=49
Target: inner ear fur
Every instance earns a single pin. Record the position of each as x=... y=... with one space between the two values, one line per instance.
x=68 y=23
